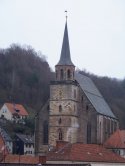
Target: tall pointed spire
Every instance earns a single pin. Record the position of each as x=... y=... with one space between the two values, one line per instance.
x=65 y=58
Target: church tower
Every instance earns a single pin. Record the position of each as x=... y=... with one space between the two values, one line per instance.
x=63 y=116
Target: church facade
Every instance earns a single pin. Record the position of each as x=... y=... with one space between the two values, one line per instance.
x=76 y=110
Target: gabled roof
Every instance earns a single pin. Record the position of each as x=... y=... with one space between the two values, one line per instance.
x=26 y=138
x=13 y=107
x=84 y=153
x=94 y=95
x=116 y=140
x=65 y=58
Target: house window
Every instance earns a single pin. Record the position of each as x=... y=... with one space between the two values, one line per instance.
x=60 y=134
x=60 y=108
x=45 y=132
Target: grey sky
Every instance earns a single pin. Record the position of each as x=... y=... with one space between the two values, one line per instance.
x=96 y=31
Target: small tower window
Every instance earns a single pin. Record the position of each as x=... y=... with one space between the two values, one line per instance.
x=61 y=74
x=60 y=134
x=73 y=74
x=69 y=73
x=74 y=93
x=60 y=121
x=60 y=108
x=56 y=74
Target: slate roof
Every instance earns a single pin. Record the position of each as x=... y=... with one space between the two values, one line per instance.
x=65 y=58
x=116 y=140
x=13 y=107
x=84 y=153
x=94 y=95
x=3 y=148
x=26 y=138
x=4 y=134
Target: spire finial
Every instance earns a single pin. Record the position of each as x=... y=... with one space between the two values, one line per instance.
x=66 y=14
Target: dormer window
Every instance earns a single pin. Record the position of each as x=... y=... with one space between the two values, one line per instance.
x=17 y=110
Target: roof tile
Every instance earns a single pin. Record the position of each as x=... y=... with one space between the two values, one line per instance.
x=116 y=140
x=13 y=107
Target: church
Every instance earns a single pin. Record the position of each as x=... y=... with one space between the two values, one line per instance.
x=76 y=111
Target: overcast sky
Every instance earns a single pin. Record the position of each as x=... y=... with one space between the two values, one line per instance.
x=96 y=31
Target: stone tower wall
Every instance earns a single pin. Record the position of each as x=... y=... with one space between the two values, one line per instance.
x=66 y=96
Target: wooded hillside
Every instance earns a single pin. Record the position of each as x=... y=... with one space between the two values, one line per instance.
x=25 y=75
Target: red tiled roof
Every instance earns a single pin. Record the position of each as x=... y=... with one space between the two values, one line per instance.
x=19 y=107
x=85 y=153
x=10 y=158
x=116 y=140
x=72 y=152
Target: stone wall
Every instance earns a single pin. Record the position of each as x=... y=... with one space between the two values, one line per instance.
x=63 y=112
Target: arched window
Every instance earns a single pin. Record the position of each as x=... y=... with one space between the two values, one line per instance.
x=45 y=132
x=88 y=133
x=61 y=74
x=60 y=121
x=60 y=108
x=60 y=134
x=68 y=74
x=100 y=127
x=87 y=107
x=74 y=93
x=56 y=74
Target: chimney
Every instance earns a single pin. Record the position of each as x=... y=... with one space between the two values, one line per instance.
x=42 y=159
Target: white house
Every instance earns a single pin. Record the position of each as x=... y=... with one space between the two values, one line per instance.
x=13 y=112
x=24 y=144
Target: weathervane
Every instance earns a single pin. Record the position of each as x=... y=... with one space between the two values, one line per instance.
x=66 y=14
